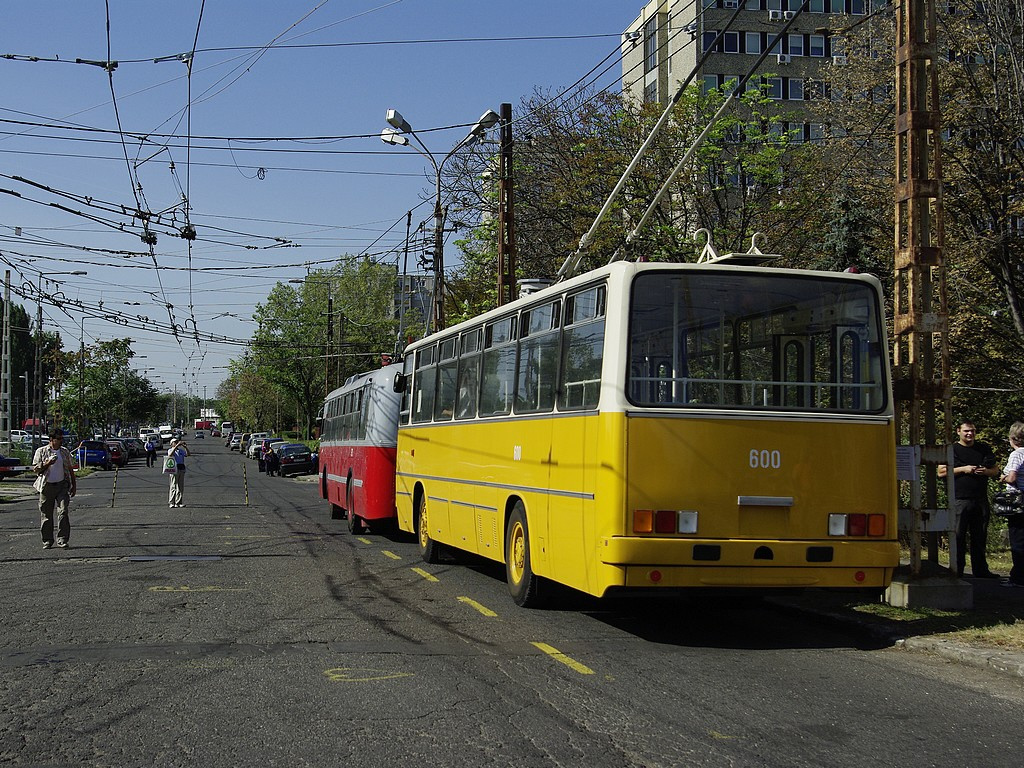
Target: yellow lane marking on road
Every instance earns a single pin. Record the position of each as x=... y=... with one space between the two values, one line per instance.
x=474 y=604
x=392 y=555
x=197 y=589
x=356 y=675
x=365 y=541
x=557 y=655
x=425 y=575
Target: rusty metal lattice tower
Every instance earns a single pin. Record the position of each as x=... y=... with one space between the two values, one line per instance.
x=921 y=357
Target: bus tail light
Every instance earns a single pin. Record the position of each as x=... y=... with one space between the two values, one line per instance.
x=856 y=525
x=643 y=521
x=665 y=521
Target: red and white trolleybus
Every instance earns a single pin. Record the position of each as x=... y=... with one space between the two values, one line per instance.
x=358 y=438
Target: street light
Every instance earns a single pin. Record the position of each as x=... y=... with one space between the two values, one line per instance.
x=396 y=136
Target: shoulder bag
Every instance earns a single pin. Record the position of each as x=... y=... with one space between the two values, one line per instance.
x=1008 y=503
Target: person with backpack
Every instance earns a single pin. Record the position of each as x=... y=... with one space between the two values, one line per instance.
x=178 y=451
x=150 y=452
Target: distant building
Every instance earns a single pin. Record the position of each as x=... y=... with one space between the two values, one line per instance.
x=663 y=44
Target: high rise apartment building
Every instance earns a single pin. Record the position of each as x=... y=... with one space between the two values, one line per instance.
x=663 y=44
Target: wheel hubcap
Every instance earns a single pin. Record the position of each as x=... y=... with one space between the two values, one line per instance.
x=517 y=553
x=424 y=535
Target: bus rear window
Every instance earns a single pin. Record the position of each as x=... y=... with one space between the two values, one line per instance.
x=755 y=341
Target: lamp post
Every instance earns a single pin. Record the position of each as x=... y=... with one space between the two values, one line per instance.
x=38 y=416
x=396 y=135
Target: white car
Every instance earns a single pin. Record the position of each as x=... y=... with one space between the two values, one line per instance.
x=148 y=433
x=20 y=436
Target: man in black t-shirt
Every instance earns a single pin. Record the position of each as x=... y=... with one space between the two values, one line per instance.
x=973 y=464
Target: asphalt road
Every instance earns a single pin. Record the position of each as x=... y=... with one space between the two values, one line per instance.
x=234 y=634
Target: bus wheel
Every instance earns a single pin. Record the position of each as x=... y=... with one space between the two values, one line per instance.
x=354 y=521
x=430 y=550
x=523 y=585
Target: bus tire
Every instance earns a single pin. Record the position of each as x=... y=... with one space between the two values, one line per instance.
x=523 y=584
x=355 y=522
x=430 y=550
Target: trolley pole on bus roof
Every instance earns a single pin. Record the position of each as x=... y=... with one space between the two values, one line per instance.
x=921 y=380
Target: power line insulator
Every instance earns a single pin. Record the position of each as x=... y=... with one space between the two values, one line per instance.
x=149 y=238
x=188 y=232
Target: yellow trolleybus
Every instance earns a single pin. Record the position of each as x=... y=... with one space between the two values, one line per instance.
x=659 y=426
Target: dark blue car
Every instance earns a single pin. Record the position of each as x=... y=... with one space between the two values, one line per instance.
x=92 y=453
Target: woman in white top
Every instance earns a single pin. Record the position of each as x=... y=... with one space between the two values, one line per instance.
x=1013 y=476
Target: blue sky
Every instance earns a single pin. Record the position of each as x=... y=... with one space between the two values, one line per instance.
x=322 y=198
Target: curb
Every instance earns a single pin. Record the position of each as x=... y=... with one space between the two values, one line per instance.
x=1009 y=663
x=1006 y=662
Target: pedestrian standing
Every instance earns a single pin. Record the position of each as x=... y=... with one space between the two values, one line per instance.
x=973 y=465
x=150 y=452
x=1013 y=476
x=176 y=496
x=56 y=484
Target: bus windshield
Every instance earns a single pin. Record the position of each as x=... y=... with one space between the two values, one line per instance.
x=761 y=341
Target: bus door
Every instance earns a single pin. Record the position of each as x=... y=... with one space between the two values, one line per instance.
x=575 y=441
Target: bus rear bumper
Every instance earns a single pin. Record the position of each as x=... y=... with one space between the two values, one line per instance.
x=653 y=562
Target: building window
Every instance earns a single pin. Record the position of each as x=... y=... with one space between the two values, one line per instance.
x=731 y=41
x=710 y=83
x=651 y=44
x=796 y=89
x=856 y=7
x=816 y=6
x=773 y=5
x=709 y=41
x=752 y=5
x=774 y=87
x=817 y=45
x=777 y=48
x=815 y=132
x=796 y=45
x=837 y=6
x=651 y=92
x=753 y=42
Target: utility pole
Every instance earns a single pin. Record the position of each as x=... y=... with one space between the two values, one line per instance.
x=38 y=389
x=5 y=385
x=506 y=219
x=330 y=333
x=920 y=319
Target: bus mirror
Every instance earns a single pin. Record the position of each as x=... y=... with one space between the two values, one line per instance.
x=399 y=383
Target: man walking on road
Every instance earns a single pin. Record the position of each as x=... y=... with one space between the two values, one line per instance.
x=973 y=464
x=56 y=484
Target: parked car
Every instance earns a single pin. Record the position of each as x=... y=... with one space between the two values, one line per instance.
x=296 y=458
x=136 y=447
x=92 y=453
x=20 y=436
x=214 y=433
x=236 y=441
x=118 y=452
x=147 y=433
x=9 y=467
x=255 y=444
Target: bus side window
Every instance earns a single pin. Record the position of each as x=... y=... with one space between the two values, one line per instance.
x=469 y=375
x=444 y=400
x=424 y=385
x=537 y=374
x=582 y=349
x=499 y=368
